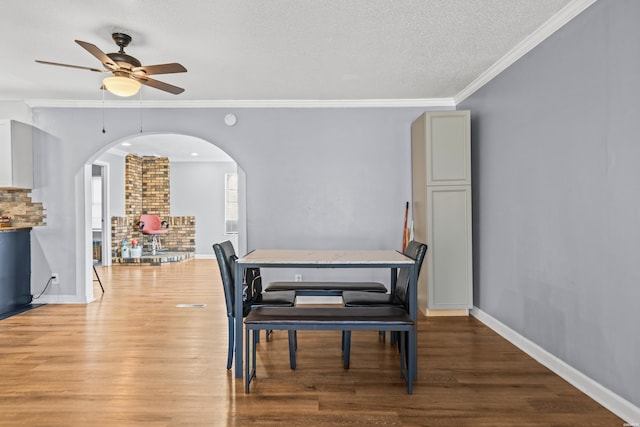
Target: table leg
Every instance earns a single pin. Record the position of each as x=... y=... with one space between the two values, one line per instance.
x=394 y=279
x=413 y=312
x=238 y=320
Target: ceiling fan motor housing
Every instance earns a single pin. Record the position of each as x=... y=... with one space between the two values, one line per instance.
x=121 y=58
x=121 y=39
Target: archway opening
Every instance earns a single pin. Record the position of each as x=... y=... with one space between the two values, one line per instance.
x=197 y=187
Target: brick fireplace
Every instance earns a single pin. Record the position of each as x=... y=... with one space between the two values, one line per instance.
x=147 y=185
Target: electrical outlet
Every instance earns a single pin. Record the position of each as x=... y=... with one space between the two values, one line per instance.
x=55 y=279
x=297 y=277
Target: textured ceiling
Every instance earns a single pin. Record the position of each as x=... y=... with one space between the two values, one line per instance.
x=267 y=50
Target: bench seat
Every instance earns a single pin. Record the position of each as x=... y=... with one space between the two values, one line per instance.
x=325 y=288
x=331 y=318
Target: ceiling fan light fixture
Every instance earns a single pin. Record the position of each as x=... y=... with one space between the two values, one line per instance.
x=121 y=86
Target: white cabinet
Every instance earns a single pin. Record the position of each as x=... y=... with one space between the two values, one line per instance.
x=441 y=187
x=16 y=155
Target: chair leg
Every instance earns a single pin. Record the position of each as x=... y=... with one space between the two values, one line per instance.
x=346 y=348
x=98 y=277
x=394 y=337
x=231 y=342
x=293 y=343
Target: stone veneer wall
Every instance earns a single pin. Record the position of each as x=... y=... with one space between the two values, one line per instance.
x=133 y=185
x=182 y=234
x=155 y=186
x=147 y=183
x=120 y=230
x=18 y=205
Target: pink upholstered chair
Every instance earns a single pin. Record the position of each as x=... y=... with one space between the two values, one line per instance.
x=151 y=225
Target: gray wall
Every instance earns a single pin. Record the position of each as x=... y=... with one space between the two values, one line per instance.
x=556 y=157
x=197 y=188
x=315 y=178
x=117 y=168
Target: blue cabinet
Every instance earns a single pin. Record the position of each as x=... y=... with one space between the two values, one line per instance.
x=15 y=270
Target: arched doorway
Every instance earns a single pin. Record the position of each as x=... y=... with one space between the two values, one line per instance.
x=198 y=172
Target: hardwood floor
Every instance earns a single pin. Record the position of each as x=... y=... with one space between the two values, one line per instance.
x=134 y=358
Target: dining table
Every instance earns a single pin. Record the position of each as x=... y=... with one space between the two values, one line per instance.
x=323 y=258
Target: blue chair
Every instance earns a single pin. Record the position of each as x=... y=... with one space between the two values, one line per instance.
x=398 y=297
x=225 y=254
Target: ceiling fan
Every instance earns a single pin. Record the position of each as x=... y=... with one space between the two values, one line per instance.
x=128 y=72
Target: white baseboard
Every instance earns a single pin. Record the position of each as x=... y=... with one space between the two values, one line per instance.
x=61 y=299
x=605 y=397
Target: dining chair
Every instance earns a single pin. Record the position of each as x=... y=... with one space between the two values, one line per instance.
x=225 y=254
x=398 y=297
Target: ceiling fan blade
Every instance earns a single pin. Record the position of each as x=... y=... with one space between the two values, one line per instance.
x=102 y=57
x=148 y=70
x=73 y=66
x=159 y=85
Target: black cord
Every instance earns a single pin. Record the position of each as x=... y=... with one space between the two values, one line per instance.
x=45 y=288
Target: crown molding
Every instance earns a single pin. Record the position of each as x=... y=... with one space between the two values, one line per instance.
x=553 y=24
x=276 y=103
x=566 y=14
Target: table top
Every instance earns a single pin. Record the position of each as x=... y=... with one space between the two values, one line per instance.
x=324 y=257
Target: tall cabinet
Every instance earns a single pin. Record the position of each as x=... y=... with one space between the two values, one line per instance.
x=16 y=158
x=441 y=187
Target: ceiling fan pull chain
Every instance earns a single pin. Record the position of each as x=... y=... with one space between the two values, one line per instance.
x=140 y=109
x=103 y=131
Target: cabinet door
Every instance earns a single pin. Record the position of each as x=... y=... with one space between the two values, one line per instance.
x=15 y=270
x=448 y=148
x=16 y=155
x=6 y=167
x=449 y=260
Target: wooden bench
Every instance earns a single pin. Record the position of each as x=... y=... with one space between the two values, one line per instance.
x=324 y=288
x=345 y=319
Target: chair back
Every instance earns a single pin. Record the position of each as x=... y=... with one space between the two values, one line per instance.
x=226 y=257
x=149 y=223
x=416 y=251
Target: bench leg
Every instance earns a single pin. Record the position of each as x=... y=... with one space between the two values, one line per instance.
x=411 y=357
x=406 y=341
x=251 y=337
x=404 y=361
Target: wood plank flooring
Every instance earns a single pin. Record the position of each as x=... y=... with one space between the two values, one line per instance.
x=133 y=357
